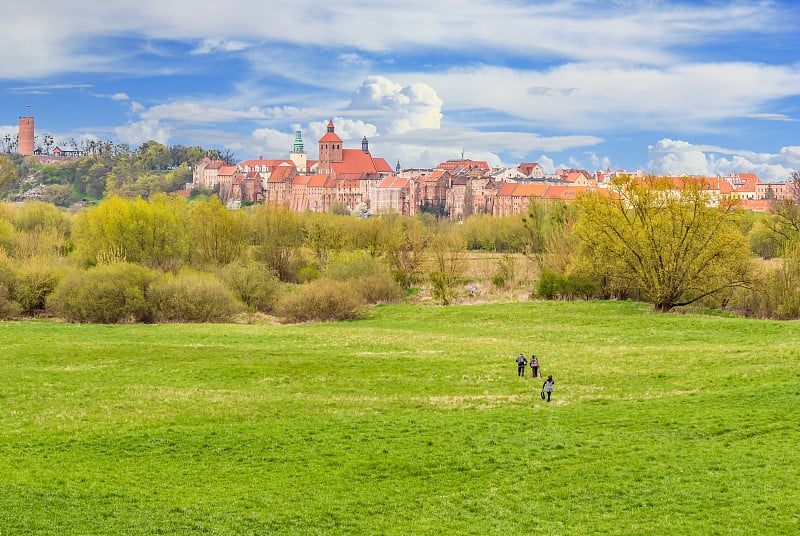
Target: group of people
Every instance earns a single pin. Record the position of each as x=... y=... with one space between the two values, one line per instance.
x=549 y=383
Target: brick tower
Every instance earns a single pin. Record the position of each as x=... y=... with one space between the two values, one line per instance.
x=25 y=143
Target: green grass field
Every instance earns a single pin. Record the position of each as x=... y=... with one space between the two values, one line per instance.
x=411 y=421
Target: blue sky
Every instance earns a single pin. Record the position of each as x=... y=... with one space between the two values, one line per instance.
x=662 y=86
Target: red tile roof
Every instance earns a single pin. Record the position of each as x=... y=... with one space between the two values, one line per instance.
x=530 y=190
x=394 y=181
x=281 y=174
x=356 y=161
x=507 y=188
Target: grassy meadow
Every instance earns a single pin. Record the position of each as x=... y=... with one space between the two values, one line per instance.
x=411 y=421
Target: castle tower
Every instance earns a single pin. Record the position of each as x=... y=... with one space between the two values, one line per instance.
x=298 y=154
x=365 y=145
x=25 y=144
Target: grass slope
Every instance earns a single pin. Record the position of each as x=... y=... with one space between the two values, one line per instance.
x=409 y=422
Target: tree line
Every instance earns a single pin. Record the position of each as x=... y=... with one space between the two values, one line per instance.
x=168 y=258
x=106 y=169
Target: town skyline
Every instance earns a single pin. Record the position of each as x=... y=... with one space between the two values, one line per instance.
x=665 y=87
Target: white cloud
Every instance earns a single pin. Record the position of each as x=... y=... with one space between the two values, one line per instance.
x=208 y=46
x=269 y=143
x=598 y=162
x=142 y=131
x=675 y=157
x=347 y=129
x=51 y=39
x=687 y=97
x=547 y=164
x=201 y=112
x=411 y=107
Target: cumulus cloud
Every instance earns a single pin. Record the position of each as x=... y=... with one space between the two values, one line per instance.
x=547 y=164
x=412 y=107
x=270 y=143
x=347 y=129
x=675 y=157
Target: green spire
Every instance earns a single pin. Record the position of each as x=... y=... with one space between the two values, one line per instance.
x=298 y=142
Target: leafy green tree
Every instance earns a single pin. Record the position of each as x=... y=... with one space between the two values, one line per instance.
x=663 y=240
x=8 y=171
x=152 y=233
x=153 y=155
x=61 y=195
x=447 y=275
x=278 y=235
x=405 y=250
x=324 y=234
x=544 y=222
x=218 y=235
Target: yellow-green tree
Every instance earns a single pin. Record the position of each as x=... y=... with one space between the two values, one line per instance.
x=151 y=233
x=663 y=239
x=218 y=235
x=278 y=235
x=447 y=258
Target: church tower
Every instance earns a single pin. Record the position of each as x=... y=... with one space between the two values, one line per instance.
x=298 y=154
x=330 y=150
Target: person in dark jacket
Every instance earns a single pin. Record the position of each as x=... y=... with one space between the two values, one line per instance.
x=521 y=362
x=547 y=386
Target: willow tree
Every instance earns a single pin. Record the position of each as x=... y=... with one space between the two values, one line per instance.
x=151 y=233
x=665 y=239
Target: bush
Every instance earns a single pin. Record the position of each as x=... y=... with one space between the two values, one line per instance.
x=553 y=285
x=255 y=284
x=192 y=297
x=777 y=294
x=549 y=285
x=506 y=272
x=354 y=264
x=378 y=288
x=8 y=308
x=35 y=282
x=323 y=299
x=107 y=294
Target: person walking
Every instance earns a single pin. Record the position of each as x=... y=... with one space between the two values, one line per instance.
x=547 y=386
x=521 y=362
x=535 y=366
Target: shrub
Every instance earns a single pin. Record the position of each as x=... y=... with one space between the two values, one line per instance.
x=192 y=297
x=777 y=294
x=549 y=285
x=107 y=294
x=378 y=288
x=553 y=285
x=255 y=284
x=8 y=308
x=323 y=299
x=35 y=282
x=354 y=264
x=506 y=272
